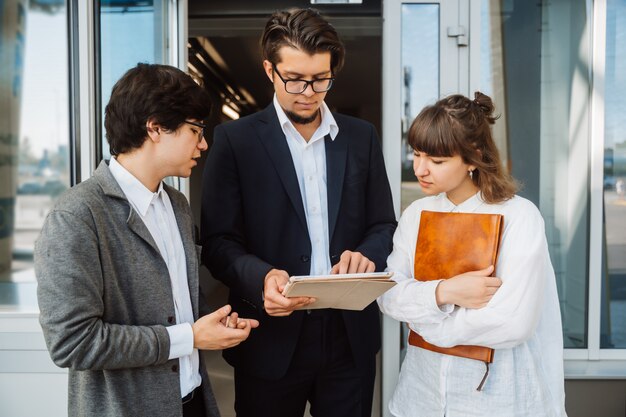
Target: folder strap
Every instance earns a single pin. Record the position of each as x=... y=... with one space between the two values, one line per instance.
x=482 y=382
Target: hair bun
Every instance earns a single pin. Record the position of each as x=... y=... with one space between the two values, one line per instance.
x=485 y=104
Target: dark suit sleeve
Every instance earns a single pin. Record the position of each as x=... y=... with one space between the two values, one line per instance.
x=381 y=222
x=224 y=249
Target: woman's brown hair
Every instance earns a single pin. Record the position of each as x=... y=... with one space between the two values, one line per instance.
x=457 y=125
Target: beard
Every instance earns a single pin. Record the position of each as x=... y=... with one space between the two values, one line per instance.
x=301 y=120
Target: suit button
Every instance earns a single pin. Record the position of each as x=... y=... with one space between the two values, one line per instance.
x=174 y=368
x=170 y=319
x=305 y=258
x=334 y=257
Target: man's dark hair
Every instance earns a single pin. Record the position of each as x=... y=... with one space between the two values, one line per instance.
x=303 y=29
x=161 y=93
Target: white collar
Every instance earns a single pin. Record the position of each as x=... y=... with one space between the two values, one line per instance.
x=137 y=193
x=468 y=206
x=327 y=126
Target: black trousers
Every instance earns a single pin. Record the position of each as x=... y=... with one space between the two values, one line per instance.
x=322 y=372
x=195 y=406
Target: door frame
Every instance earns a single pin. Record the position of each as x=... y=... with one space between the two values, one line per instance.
x=459 y=72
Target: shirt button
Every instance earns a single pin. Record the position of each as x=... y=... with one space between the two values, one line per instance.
x=310 y=177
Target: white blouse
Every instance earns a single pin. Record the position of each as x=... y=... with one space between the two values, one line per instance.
x=522 y=322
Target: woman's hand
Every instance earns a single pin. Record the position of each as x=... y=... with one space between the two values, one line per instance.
x=470 y=290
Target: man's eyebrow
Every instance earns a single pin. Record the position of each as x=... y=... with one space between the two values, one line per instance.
x=296 y=74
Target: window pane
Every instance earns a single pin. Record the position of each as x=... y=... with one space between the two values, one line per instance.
x=420 y=86
x=614 y=259
x=130 y=33
x=34 y=128
x=534 y=62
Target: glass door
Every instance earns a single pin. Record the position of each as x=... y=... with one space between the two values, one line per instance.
x=109 y=37
x=426 y=55
x=533 y=59
x=131 y=32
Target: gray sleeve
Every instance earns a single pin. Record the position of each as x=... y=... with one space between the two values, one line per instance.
x=70 y=294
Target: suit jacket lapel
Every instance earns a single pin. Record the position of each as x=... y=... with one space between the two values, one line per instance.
x=139 y=228
x=336 y=153
x=111 y=188
x=273 y=138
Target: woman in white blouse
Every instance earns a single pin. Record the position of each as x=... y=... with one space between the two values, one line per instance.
x=517 y=313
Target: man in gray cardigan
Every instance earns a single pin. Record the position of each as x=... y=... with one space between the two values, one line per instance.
x=117 y=264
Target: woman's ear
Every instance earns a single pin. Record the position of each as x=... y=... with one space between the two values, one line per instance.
x=480 y=157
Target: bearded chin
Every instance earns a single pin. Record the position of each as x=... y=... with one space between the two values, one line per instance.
x=300 y=120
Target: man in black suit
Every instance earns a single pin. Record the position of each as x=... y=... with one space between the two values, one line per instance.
x=296 y=190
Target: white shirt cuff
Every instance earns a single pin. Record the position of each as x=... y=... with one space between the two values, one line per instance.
x=181 y=340
x=430 y=300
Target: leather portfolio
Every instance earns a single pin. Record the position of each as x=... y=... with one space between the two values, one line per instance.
x=449 y=244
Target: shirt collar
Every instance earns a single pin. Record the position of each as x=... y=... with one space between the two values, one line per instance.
x=139 y=196
x=468 y=206
x=327 y=126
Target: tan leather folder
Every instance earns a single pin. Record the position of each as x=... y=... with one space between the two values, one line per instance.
x=449 y=244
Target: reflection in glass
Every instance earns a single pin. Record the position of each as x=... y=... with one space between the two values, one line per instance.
x=130 y=33
x=564 y=156
x=420 y=80
x=614 y=259
x=492 y=70
x=34 y=125
x=534 y=61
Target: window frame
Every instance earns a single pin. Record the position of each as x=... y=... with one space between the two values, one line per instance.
x=596 y=362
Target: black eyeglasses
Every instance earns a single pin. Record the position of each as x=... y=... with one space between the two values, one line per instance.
x=200 y=125
x=319 y=85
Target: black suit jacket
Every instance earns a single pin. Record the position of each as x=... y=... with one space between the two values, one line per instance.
x=253 y=220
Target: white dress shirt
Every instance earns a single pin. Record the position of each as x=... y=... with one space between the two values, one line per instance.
x=155 y=209
x=522 y=322
x=309 y=160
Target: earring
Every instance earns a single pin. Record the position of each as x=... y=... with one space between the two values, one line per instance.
x=471 y=174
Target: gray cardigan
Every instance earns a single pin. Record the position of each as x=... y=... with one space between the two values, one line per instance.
x=105 y=298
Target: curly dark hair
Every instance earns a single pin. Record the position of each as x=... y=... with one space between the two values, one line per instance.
x=161 y=93
x=303 y=29
x=458 y=125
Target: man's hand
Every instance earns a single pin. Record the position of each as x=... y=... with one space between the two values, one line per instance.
x=351 y=263
x=275 y=303
x=211 y=332
x=470 y=290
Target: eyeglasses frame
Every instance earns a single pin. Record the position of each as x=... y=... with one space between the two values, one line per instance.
x=200 y=125
x=307 y=82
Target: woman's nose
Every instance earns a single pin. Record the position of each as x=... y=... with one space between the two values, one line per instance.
x=420 y=168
